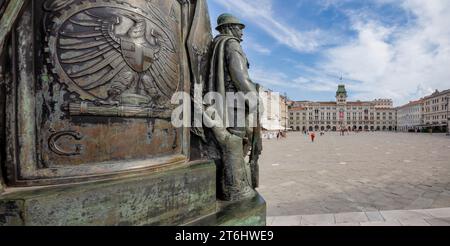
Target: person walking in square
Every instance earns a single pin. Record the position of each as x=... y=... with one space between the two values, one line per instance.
x=313 y=136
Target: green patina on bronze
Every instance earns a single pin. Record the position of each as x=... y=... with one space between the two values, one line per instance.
x=247 y=212
x=8 y=18
x=238 y=178
x=165 y=198
x=228 y=19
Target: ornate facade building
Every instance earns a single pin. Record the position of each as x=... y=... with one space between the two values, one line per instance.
x=436 y=111
x=284 y=113
x=410 y=117
x=341 y=114
x=430 y=113
x=275 y=116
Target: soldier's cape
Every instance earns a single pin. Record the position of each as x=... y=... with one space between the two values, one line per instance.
x=216 y=80
x=216 y=83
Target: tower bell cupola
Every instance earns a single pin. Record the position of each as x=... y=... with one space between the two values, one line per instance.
x=341 y=95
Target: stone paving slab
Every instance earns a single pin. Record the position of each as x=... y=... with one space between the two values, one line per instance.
x=347 y=224
x=414 y=222
x=318 y=220
x=439 y=221
x=381 y=223
x=356 y=217
x=396 y=215
x=374 y=216
x=439 y=212
x=286 y=221
x=425 y=217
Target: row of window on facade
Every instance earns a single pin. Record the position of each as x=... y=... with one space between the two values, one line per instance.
x=409 y=117
x=436 y=108
x=334 y=128
x=334 y=108
x=348 y=118
x=436 y=101
x=436 y=117
x=348 y=113
x=336 y=122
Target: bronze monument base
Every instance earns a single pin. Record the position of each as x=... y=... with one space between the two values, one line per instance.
x=168 y=198
x=248 y=212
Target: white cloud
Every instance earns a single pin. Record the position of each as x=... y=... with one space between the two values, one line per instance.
x=251 y=44
x=399 y=62
x=261 y=14
x=275 y=79
x=270 y=78
x=260 y=48
x=402 y=61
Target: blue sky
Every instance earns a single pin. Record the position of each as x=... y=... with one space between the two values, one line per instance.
x=398 y=49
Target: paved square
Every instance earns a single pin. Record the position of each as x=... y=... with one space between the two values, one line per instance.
x=363 y=172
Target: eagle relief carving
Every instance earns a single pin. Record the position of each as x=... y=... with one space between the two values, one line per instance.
x=119 y=59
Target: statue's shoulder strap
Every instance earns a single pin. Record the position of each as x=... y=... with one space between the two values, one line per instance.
x=232 y=47
x=233 y=44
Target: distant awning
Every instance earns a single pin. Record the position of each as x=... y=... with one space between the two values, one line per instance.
x=433 y=125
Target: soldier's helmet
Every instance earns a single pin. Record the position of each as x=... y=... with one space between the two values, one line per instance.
x=228 y=19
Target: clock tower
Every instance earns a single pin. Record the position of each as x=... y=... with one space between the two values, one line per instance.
x=341 y=95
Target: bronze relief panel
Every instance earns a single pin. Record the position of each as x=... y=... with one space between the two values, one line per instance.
x=105 y=74
x=112 y=53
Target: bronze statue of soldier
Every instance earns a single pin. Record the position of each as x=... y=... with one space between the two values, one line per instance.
x=229 y=74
